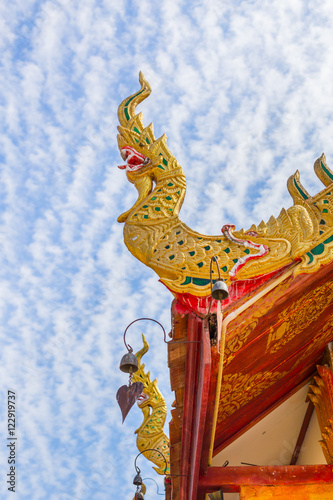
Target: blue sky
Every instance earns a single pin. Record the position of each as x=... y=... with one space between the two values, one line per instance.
x=243 y=91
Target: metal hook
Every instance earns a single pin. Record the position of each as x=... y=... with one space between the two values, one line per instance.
x=138 y=470
x=130 y=349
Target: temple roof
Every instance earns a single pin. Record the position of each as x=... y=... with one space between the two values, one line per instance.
x=274 y=340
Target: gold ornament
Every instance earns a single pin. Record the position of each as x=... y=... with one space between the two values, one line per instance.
x=239 y=389
x=153 y=232
x=152 y=404
x=299 y=315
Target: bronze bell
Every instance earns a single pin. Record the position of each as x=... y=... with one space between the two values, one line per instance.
x=139 y=496
x=220 y=290
x=137 y=480
x=129 y=363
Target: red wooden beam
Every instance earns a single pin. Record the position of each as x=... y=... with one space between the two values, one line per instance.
x=302 y=433
x=230 y=479
x=207 y=435
x=192 y=352
x=201 y=405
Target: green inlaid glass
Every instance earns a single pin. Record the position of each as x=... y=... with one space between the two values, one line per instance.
x=160 y=166
x=154 y=198
x=171 y=257
x=187 y=280
x=247 y=251
x=200 y=281
x=322 y=222
x=300 y=191
x=325 y=211
x=168 y=198
x=235 y=260
x=136 y=130
x=145 y=206
x=147 y=140
x=146 y=217
x=127 y=103
x=170 y=184
x=328 y=240
x=226 y=250
x=207 y=248
x=200 y=264
x=326 y=201
x=326 y=171
x=157 y=209
x=167 y=247
x=218 y=241
x=178 y=232
x=192 y=253
x=224 y=269
x=318 y=249
x=180 y=242
x=165 y=162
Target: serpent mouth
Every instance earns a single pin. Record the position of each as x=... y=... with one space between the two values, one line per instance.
x=142 y=398
x=134 y=159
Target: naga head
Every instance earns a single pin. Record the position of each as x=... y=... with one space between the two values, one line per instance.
x=134 y=160
x=147 y=159
x=151 y=393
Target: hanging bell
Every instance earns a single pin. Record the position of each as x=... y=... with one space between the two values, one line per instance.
x=137 y=480
x=129 y=363
x=139 y=496
x=220 y=290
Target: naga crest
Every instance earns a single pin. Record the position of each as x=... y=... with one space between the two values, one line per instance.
x=300 y=238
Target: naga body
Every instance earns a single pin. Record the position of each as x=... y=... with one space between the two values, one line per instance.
x=154 y=233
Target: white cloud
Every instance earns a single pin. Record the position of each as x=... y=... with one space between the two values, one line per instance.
x=243 y=91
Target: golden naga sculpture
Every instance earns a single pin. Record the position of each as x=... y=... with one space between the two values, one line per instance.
x=301 y=236
x=153 y=406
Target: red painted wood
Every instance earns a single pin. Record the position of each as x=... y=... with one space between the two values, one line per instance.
x=191 y=367
x=201 y=405
x=230 y=479
x=207 y=435
x=259 y=407
x=187 y=303
x=253 y=357
x=302 y=433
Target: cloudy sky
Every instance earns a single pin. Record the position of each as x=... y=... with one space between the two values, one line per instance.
x=243 y=90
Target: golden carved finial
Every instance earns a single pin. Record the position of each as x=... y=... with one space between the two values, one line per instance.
x=299 y=236
x=150 y=434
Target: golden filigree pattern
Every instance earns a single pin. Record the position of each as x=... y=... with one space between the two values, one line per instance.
x=243 y=325
x=181 y=257
x=239 y=389
x=324 y=336
x=295 y=318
